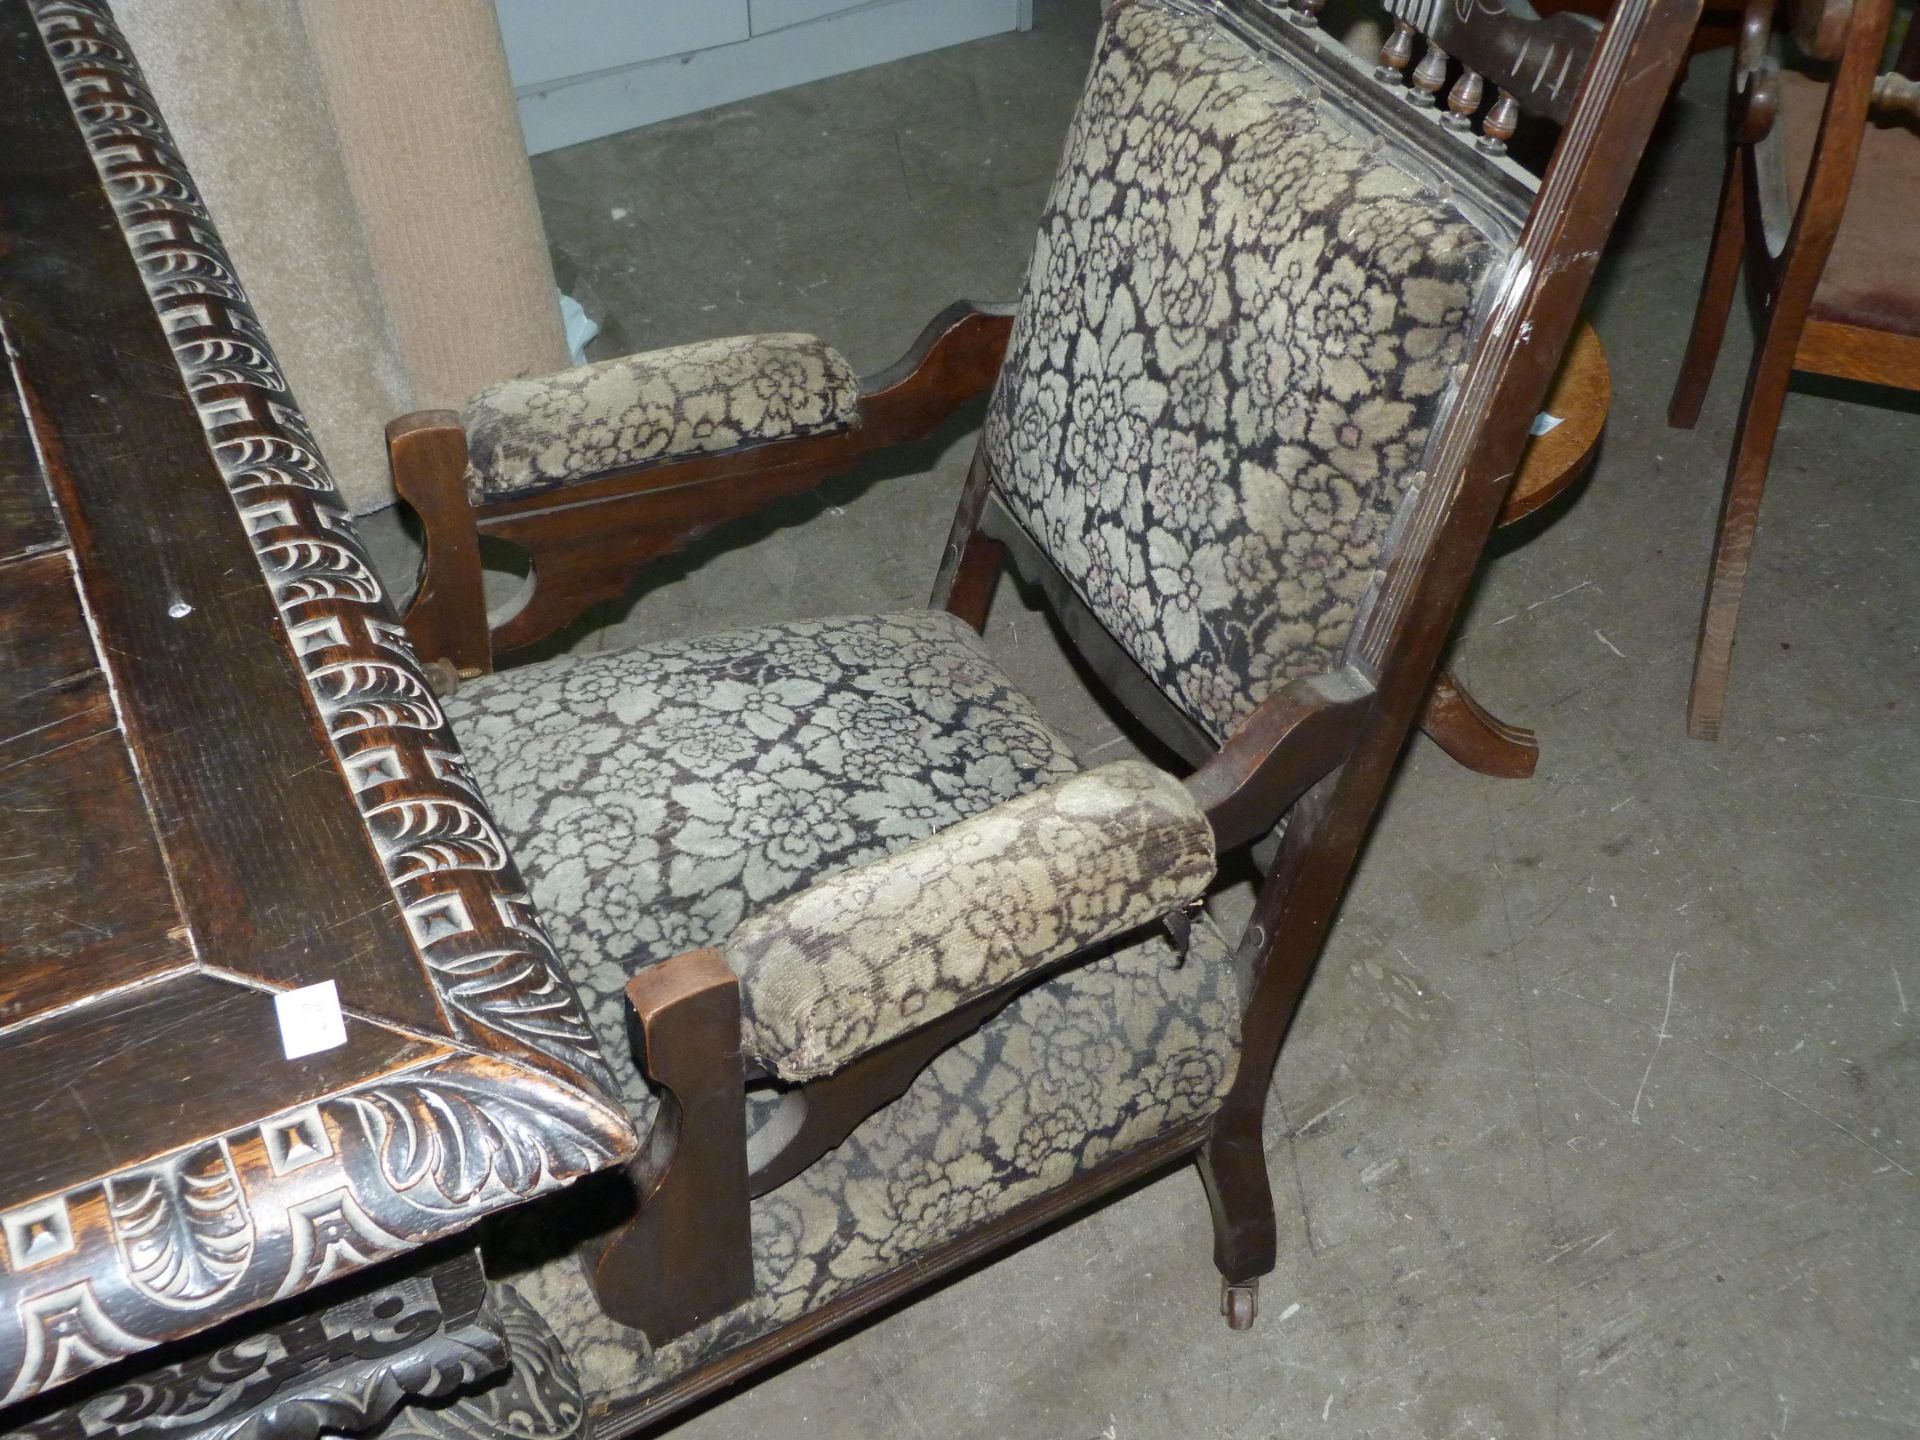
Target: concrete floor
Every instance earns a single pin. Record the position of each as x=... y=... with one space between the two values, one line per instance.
x=1596 y=1121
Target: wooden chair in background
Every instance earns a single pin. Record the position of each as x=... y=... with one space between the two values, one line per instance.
x=1821 y=205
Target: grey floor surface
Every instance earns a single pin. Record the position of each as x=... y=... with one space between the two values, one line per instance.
x=1596 y=1119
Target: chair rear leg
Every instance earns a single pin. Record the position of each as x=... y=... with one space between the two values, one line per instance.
x=1739 y=515
x=1716 y=299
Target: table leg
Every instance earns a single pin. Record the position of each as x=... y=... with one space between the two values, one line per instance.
x=1455 y=722
x=538 y=1399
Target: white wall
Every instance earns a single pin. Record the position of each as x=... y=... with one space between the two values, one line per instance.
x=586 y=68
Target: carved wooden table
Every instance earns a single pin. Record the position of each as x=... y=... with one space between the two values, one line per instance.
x=222 y=780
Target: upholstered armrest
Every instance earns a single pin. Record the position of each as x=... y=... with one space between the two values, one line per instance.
x=867 y=955
x=525 y=435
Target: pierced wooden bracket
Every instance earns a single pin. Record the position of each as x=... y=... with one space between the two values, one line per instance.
x=448 y=617
x=1280 y=752
x=687 y=1256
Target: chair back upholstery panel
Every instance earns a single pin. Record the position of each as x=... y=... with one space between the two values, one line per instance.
x=1240 y=324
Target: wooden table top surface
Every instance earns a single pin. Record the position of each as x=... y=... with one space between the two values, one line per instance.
x=222 y=777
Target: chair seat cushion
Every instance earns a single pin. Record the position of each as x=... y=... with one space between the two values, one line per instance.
x=525 y=435
x=655 y=797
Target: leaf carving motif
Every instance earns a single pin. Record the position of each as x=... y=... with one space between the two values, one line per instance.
x=427 y=835
x=361 y=695
x=304 y=571
x=183 y=1226
x=459 y=1138
x=518 y=992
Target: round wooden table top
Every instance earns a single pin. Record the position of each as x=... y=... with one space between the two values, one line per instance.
x=1579 y=395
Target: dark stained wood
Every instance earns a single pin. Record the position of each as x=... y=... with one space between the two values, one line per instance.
x=72 y=1074
x=55 y=693
x=692 y=1178
x=1485 y=744
x=84 y=891
x=970 y=565
x=1278 y=753
x=28 y=520
x=1535 y=62
x=1782 y=228
x=447 y=618
x=1428 y=571
x=212 y=700
x=221 y=773
x=426 y=1328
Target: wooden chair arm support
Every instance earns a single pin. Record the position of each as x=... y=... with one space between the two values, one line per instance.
x=956 y=357
x=592 y=536
x=447 y=617
x=1280 y=752
x=687 y=1256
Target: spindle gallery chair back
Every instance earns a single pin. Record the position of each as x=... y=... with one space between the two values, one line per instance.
x=903 y=979
x=1830 y=263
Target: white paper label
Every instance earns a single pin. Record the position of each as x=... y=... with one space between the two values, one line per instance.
x=1543 y=422
x=310 y=1019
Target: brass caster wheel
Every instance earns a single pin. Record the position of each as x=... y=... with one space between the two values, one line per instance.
x=1240 y=1303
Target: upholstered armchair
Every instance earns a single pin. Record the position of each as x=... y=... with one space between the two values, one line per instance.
x=890 y=975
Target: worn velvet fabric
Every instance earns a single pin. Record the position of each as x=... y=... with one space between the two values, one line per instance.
x=867 y=955
x=1238 y=325
x=663 y=404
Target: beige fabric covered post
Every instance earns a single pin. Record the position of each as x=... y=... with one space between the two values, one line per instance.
x=364 y=162
x=426 y=117
x=237 y=83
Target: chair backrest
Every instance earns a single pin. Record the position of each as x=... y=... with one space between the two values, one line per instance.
x=1256 y=283
x=1241 y=318
x=1845 y=39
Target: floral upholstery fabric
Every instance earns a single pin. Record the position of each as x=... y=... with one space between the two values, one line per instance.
x=531 y=434
x=1076 y=1071
x=1239 y=324
x=656 y=797
x=868 y=954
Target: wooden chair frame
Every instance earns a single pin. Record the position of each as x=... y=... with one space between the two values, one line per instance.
x=1319 y=753
x=1785 y=255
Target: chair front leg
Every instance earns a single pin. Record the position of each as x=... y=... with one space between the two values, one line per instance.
x=687 y=1256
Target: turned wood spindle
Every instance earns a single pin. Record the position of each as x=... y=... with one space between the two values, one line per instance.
x=1894 y=93
x=1502 y=120
x=1429 y=75
x=1463 y=99
x=1306 y=12
x=1395 y=55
